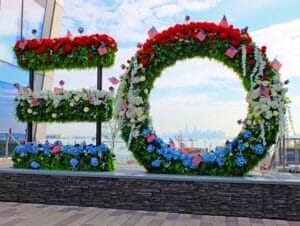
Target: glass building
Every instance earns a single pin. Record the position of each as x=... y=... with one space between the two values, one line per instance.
x=17 y=20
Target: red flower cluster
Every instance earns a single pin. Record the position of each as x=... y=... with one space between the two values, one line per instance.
x=181 y=31
x=65 y=45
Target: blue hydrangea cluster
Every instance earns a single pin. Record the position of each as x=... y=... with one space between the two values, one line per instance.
x=240 y=161
x=73 y=162
x=94 y=162
x=73 y=150
x=215 y=157
x=28 y=148
x=35 y=165
x=156 y=163
x=150 y=148
x=46 y=148
x=246 y=134
x=241 y=147
x=258 y=149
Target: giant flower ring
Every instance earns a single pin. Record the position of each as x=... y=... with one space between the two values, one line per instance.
x=235 y=49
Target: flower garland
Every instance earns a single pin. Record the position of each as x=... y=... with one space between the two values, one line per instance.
x=64 y=106
x=228 y=45
x=63 y=157
x=66 y=53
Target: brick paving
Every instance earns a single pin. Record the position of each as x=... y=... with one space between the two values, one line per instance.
x=25 y=214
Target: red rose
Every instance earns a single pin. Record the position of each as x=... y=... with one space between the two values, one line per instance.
x=24 y=62
x=74 y=49
x=249 y=49
x=223 y=35
x=18 y=53
x=211 y=46
x=33 y=51
x=32 y=44
x=251 y=62
x=128 y=61
x=67 y=48
x=211 y=36
x=265 y=77
x=144 y=62
x=89 y=55
x=263 y=49
x=172 y=38
x=268 y=65
x=180 y=36
x=55 y=48
x=48 y=57
x=234 y=43
x=41 y=49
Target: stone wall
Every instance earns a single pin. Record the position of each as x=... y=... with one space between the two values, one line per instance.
x=232 y=198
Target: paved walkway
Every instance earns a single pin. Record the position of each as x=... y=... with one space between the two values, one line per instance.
x=24 y=214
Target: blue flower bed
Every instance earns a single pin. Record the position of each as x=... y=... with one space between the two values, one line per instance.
x=63 y=157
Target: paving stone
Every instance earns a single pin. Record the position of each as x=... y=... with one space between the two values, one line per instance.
x=13 y=222
x=256 y=220
x=69 y=220
x=155 y=222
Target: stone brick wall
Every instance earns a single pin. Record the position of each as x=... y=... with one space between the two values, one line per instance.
x=232 y=198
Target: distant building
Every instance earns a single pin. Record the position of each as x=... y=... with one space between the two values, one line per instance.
x=17 y=20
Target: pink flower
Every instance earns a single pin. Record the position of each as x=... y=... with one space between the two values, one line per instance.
x=35 y=102
x=265 y=91
x=55 y=149
x=197 y=159
x=24 y=90
x=150 y=138
x=90 y=98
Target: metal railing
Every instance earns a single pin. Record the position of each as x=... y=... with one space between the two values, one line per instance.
x=7 y=144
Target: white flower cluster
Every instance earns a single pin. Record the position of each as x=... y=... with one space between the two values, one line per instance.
x=95 y=97
x=264 y=107
x=244 y=56
x=130 y=109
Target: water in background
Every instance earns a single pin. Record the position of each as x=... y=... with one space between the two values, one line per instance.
x=123 y=155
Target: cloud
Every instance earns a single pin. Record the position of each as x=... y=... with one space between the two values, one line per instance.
x=182 y=5
x=194 y=73
x=125 y=20
x=282 y=40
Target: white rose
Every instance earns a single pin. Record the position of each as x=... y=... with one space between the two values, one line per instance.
x=142 y=78
x=29 y=111
x=72 y=104
x=54 y=115
x=76 y=98
x=86 y=109
x=146 y=91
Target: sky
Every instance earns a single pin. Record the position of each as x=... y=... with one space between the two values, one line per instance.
x=197 y=92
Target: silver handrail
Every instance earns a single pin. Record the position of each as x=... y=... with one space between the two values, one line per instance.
x=9 y=138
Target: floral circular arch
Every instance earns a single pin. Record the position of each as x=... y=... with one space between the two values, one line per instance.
x=235 y=49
